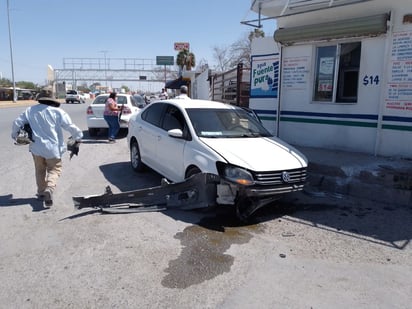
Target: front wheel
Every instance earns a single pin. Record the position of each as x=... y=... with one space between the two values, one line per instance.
x=135 y=159
x=192 y=171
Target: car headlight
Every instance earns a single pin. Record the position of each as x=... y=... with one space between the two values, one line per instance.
x=238 y=175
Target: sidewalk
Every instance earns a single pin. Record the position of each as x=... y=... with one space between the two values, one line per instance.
x=387 y=180
x=20 y=103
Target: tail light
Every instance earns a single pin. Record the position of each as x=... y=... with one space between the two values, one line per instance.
x=89 y=111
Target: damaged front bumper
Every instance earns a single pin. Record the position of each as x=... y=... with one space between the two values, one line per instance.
x=199 y=191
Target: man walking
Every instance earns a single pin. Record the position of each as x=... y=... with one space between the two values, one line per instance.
x=47 y=121
x=163 y=95
x=183 y=93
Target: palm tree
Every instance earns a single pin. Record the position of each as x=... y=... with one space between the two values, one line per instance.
x=185 y=58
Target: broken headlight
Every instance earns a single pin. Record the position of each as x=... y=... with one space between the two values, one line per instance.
x=236 y=174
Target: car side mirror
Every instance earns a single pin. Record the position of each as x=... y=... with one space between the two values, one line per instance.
x=176 y=133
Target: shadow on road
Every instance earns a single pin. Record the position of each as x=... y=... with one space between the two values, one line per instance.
x=374 y=222
x=363 y=219
x=9 y=201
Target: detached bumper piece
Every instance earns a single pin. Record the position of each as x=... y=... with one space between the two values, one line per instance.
x=198 y=191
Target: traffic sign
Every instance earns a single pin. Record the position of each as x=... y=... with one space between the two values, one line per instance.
x=182 y=45
x=165 y=60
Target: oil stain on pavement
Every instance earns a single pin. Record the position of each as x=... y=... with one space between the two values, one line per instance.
x=203 y=254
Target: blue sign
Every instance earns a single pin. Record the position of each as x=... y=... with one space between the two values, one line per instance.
x=264 y=76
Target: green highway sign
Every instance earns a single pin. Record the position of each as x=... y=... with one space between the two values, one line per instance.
x=164 y=60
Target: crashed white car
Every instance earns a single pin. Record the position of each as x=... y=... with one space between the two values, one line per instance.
x=182 y=137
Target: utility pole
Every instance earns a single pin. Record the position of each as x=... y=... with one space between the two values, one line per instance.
x=105 y=66
x=11 y=54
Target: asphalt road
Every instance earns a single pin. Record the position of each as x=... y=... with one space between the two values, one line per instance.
x=302 y=252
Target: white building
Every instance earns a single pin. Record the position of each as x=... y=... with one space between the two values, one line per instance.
x=336 y=74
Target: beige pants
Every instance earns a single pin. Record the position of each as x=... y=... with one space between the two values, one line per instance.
x=47 y=172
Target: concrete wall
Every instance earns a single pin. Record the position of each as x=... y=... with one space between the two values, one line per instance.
x=200 y=86
x=380 y=122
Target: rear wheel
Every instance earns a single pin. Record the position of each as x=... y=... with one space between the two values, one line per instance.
x=135 y=159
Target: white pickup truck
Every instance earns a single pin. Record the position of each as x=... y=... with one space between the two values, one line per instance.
x=74 y=96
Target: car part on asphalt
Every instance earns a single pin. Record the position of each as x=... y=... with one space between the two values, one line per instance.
x=198 y=191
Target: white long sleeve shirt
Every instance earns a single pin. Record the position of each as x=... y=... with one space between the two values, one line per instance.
x=47 y=123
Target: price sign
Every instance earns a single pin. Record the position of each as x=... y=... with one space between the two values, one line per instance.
x=181 y=46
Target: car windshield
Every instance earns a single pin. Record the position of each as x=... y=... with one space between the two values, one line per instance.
x=138 y=99
x=224 y=123
x=101 y=99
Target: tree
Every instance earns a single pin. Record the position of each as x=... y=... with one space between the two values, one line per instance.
x=4 y=82
x=221 y=55
x=185 y=58
x=127 y=89
x=26 y=85
x=238 y=52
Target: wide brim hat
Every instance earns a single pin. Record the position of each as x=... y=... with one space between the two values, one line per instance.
x=49 y=101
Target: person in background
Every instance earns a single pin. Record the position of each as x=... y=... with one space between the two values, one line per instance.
x=46 y=121
x=183 y=93
x=163 y=95
x=111 y=115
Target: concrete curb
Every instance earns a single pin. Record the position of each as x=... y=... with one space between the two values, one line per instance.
x=385 y=180
x=5 y=104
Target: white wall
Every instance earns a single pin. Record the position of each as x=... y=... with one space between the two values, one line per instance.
x=373 y=124
x=200 y=86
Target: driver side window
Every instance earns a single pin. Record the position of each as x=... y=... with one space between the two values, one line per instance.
x=173 y=119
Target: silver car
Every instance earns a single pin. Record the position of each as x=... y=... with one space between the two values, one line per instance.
x=95 y=120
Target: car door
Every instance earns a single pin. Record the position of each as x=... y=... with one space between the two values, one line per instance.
x=148 y=133
x=170 y=150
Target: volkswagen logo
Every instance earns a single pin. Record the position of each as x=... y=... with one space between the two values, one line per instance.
x=285 y=176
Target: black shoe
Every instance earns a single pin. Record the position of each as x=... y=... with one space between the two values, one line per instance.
x=40 y=196
x=112 y=141
x=48 y=198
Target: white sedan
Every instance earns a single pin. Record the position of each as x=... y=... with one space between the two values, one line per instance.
x=95 y=119
x=180 y=138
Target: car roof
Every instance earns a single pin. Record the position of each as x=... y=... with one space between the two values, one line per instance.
x=117 y=95
x=196 y=103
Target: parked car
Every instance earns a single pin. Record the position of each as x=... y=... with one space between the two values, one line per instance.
x=180 y=138
x=26 y=95
x=95 y=120
x=74 y=96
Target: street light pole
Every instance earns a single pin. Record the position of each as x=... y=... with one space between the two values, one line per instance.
x=11 y=53
x=105 y=66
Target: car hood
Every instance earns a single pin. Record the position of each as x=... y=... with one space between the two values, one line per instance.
x=257 y=154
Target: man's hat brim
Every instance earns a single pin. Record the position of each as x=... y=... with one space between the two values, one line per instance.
x=49 y=101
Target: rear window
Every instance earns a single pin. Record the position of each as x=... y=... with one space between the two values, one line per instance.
x=121 y=100
x=100 y=99
x=71 y=92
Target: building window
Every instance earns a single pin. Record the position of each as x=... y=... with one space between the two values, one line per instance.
x=337 y=73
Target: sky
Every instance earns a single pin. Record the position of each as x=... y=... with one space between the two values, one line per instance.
x=44 y=32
